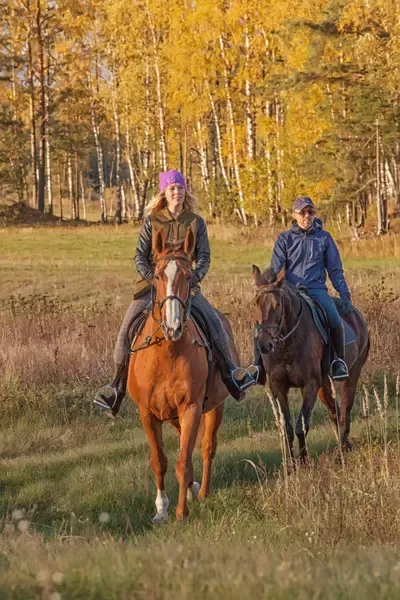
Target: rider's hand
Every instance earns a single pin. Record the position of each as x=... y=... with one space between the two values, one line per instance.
x=347 y=307
x=193 y=280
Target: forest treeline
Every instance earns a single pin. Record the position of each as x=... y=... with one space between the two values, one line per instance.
x=254 y=101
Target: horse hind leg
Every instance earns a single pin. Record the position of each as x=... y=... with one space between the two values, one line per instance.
x=159 y=463
x=212 y=422
x=348 y=389
x=327 y=396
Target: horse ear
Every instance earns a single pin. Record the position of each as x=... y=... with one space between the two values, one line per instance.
x=160 y=241
x=280 y=278
x=189 y=243
x=257 y=275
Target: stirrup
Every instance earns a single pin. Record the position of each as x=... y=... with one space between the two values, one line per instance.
x=101 y=397
x=252 y=372
x=342 y=363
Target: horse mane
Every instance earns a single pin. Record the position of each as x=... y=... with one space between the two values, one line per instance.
x=172 y=248
x=268 y=277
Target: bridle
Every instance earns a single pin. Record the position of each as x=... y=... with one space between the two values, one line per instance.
x=278 y=337
x=186 y=304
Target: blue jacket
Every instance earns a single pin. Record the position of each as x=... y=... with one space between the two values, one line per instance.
x=307 y=256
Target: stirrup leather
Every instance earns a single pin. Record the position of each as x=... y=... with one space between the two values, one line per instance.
x=101 y=397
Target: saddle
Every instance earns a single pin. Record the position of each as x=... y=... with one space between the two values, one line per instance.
x=321 y=320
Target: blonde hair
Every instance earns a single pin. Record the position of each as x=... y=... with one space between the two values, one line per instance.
x=159 y=201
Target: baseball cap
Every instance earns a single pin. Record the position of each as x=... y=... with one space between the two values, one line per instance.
x=301 y=202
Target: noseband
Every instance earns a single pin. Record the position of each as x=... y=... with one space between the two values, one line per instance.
x=278 y=337
x=186 y=304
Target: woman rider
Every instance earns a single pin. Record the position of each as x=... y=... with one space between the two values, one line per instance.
x=172 y=211
x=308 y=253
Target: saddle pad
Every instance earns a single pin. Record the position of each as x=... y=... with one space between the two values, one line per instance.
x=318 y=315
x=137 y=324
x=349 y=335
x=201 y=323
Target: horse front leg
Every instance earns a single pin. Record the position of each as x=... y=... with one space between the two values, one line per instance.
x=213 y=420
x=190 y=421
x=309 y=393
x=158 y=461
x=282 y=396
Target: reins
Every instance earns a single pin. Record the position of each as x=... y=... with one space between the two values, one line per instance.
x=186 y=304
x=278 y=338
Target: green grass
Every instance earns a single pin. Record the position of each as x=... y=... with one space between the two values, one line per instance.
x=79 y=263
x=76 y=490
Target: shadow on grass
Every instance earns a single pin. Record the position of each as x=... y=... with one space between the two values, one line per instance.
x=69 y=492
x=72 y=490
x=254 y=466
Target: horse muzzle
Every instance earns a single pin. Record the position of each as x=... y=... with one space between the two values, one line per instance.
x=172 y=333
x=266 y=346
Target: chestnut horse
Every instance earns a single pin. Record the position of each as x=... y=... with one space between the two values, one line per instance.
x=168 y=375
x=293 y=355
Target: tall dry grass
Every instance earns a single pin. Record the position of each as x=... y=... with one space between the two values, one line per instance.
x=48 y=344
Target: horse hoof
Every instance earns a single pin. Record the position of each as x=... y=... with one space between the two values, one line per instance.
x=193 y=492
x=305 y=460
x=157 y=519
x=181 y=520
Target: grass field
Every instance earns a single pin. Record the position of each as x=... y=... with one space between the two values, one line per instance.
x=76 y=491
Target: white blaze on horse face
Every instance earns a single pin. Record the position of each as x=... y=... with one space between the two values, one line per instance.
x=172 y=320
x=162 y=504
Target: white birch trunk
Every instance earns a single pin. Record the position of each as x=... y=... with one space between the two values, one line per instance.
x=250 y=117
x=60 y=198
x=99 y=154
x=160 y=106
x=279 y=153
x=378 y=186
x=42 y=109
x=32 y=120
x=218 y=139
x=205 y=176
x=71 y=187
x=114 y=88
x=132 y=175
x=233 y=137
x=82 y=188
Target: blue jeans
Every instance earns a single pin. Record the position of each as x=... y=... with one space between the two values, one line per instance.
x=327 y=302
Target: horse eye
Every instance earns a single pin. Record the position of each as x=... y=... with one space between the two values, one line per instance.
x=156 y=277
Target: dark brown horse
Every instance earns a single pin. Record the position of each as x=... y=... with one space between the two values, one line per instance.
x=293 y=355
x=168 y=377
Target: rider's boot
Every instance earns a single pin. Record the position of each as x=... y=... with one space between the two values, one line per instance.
x=236 y=379
x=258 y=362
x=338 y=370
x=111 y=396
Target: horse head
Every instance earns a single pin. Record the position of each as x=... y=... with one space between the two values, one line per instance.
x=270 y=309
x=171 y=283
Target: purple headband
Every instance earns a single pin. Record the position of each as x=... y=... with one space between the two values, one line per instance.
x=171 y=177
